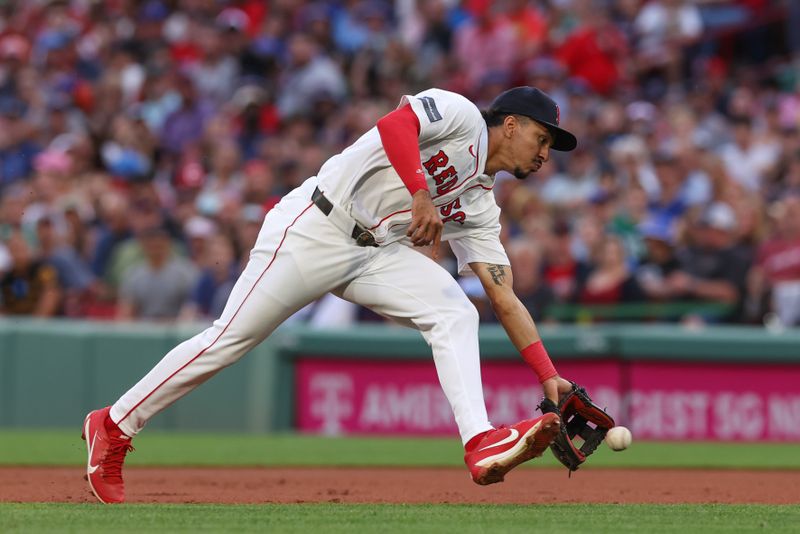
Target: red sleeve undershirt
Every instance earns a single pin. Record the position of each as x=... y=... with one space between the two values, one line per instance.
x=399 y=131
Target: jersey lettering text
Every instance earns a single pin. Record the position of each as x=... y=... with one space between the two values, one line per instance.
x=445 y=180
x=436 y=161
x=448 y=213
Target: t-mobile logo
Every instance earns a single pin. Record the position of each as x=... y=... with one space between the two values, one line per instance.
x=331 y=400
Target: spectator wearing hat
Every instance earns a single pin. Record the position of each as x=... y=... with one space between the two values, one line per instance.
x=236 y=27
x=659 y=261
x=711 y=268
x=198 y=232
x=157 y=288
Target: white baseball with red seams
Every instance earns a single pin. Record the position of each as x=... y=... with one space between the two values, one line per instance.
x=301 y=254
x=619 y=438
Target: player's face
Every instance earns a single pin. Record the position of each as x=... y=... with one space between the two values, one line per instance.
x=530 y=148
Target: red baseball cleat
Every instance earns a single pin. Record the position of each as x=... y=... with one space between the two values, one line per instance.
x=107 y=450
x=504 y=448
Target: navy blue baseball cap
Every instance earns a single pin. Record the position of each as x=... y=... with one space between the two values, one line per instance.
x=535 y=104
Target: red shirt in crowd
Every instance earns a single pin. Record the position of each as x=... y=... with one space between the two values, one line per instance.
x=591 y=53
x=780 y=260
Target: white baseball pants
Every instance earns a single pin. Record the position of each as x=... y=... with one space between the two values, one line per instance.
x=299 y=256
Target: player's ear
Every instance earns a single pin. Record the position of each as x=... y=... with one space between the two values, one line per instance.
x=510 y=125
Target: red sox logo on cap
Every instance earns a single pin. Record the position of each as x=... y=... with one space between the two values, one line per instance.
x=537 y=105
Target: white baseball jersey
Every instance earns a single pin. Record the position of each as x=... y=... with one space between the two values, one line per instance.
x=304 y=252
x=453 y=146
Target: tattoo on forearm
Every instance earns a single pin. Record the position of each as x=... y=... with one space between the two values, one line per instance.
x=498 y=273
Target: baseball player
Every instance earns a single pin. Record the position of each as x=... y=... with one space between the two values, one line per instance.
x=424 y=174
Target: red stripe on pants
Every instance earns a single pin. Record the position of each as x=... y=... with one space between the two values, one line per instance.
x=271 y=261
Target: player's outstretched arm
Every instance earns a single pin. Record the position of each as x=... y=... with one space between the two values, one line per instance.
x=497 y=281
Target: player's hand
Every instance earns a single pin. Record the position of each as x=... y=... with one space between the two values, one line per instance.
x=426 y=225
x=555 y=387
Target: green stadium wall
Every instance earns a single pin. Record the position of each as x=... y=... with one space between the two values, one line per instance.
x=53 y=372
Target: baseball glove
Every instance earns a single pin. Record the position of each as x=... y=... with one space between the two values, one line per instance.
x=580 y=418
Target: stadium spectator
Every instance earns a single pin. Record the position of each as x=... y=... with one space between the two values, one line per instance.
x=776 y=272
x=310 y=73
x=31 y=286
x=595 y=51
x=185 y=125
x=659 y=261
x=485 y=43
x=18 y=146
x=116 y=117
x=526 y=256
x=663 y=29
x=748 y=158
x=670 y=202
x=224 y=183
x=711 y=267
x=561 y=271
x=609 y=279
x=113 y=229
x=74 y=276
x=214 y=283
x=157 y=288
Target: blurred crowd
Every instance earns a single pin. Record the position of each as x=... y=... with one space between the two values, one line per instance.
x=142 y=143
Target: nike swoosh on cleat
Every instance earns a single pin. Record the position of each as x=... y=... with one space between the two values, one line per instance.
x=91 y=468
x=513 y=436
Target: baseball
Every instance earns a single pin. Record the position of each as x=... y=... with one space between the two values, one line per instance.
x=619 y=438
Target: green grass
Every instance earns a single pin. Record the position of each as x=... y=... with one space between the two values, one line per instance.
x=397 y=518
x=19 y=447
x=154 y=448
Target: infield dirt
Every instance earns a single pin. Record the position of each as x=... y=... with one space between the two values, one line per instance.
x=407 y=485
